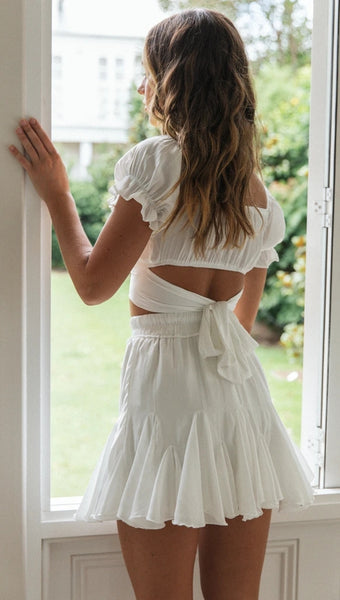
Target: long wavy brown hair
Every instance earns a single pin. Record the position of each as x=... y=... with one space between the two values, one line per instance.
x=204 y=98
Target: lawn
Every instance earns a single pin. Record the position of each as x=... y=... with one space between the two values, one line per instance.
x=87 y=350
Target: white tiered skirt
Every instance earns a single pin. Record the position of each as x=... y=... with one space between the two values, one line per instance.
x=198 y=439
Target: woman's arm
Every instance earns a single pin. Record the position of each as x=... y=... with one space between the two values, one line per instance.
x=98 y=272
x=247 y=306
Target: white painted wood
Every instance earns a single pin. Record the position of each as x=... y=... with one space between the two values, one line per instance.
x=12 y=310
x=332 y=446
x=303 y=552
x=90 y=567
x=95 y=572
x=317 y=557
x=301 y=564
x=23 y=241
x=36 y=102
x=279 y=577
x=312 y=408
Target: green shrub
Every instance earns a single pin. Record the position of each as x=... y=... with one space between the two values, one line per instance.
x=92 y=211
x=284 y=141
x=91 y=199
x=278 y=309
x=293 y=286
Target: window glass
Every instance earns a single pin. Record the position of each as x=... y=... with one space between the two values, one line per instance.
x=97 y=115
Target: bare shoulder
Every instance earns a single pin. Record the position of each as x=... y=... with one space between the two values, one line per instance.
x=257 y=192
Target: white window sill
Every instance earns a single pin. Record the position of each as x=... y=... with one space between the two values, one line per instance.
x=59 y=521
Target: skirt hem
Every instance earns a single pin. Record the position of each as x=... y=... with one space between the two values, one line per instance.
x=141 y=522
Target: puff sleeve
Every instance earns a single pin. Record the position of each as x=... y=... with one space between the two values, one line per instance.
x=147 y=173
x=273 y=233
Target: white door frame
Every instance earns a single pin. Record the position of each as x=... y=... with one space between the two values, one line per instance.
x=25 y=44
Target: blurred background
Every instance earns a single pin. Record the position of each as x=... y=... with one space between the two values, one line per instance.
x=96 y=116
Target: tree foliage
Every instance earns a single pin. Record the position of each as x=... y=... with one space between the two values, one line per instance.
x=140 y=127
x=293 y=285
x=284 y=140
x=279 y=31
x=91 y=199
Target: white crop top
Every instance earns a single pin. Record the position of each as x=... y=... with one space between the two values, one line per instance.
x=146 y=173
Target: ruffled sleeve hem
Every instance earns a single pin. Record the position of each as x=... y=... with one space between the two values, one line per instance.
x=130 y=188
x=113 y=197
x=146 y=174
x=273 y=234
x=266 y=258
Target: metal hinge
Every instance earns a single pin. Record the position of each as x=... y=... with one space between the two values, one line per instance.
x=324 y=207
x=316 y=444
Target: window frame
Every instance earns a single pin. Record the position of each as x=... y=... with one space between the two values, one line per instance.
x=32 y=283
x=318 y=442
x=331 y=471
x=317 y=402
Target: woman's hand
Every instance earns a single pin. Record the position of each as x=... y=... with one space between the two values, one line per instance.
x=96 y=272
x=42 y=162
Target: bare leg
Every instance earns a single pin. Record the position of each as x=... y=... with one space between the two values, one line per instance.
x=231 y=558
x=160 y=562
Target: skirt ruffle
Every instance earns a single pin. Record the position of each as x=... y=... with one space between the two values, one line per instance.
x=212 y=461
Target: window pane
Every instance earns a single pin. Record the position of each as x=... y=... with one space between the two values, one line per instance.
x=87 y=348
x=96 y=66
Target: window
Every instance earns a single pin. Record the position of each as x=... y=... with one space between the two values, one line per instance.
x=102 y=68
x=320 y=442
x=57 y=67
x=69 y=391
x=104 y=106
x=312 y=436
x=117 y=104
x=119 y=68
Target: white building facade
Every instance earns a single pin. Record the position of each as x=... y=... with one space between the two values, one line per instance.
x=93 y=75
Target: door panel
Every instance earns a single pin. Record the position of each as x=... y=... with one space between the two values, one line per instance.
x=301 y=564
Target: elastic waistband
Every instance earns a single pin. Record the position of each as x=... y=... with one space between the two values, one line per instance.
x=180 y=324
x=220 y=336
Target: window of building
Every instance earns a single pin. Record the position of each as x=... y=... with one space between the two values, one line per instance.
x=103 y=104
x=57 y=67
x=120 y=64
x=102 y=68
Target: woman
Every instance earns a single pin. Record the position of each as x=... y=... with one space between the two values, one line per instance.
x=198 y=457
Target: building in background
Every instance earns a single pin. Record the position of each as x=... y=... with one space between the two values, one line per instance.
x=92 y=78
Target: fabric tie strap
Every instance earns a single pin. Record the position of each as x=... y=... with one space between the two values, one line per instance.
x=221 y=335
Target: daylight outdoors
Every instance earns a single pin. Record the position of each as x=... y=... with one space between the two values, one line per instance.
x=96 y=116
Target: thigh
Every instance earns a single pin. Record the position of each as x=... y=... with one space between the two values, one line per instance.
x=231 y=558
x=160 y=562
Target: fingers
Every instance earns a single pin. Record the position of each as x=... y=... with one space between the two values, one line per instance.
x=33 y=138
x=23 y=134
x=20 y=158
x=35 y=142
x=42 y=135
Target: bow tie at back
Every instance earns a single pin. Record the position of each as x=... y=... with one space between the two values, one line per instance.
x=222 y=336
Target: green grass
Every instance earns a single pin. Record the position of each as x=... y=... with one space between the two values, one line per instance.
x=87 y=350
x=286 y=395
